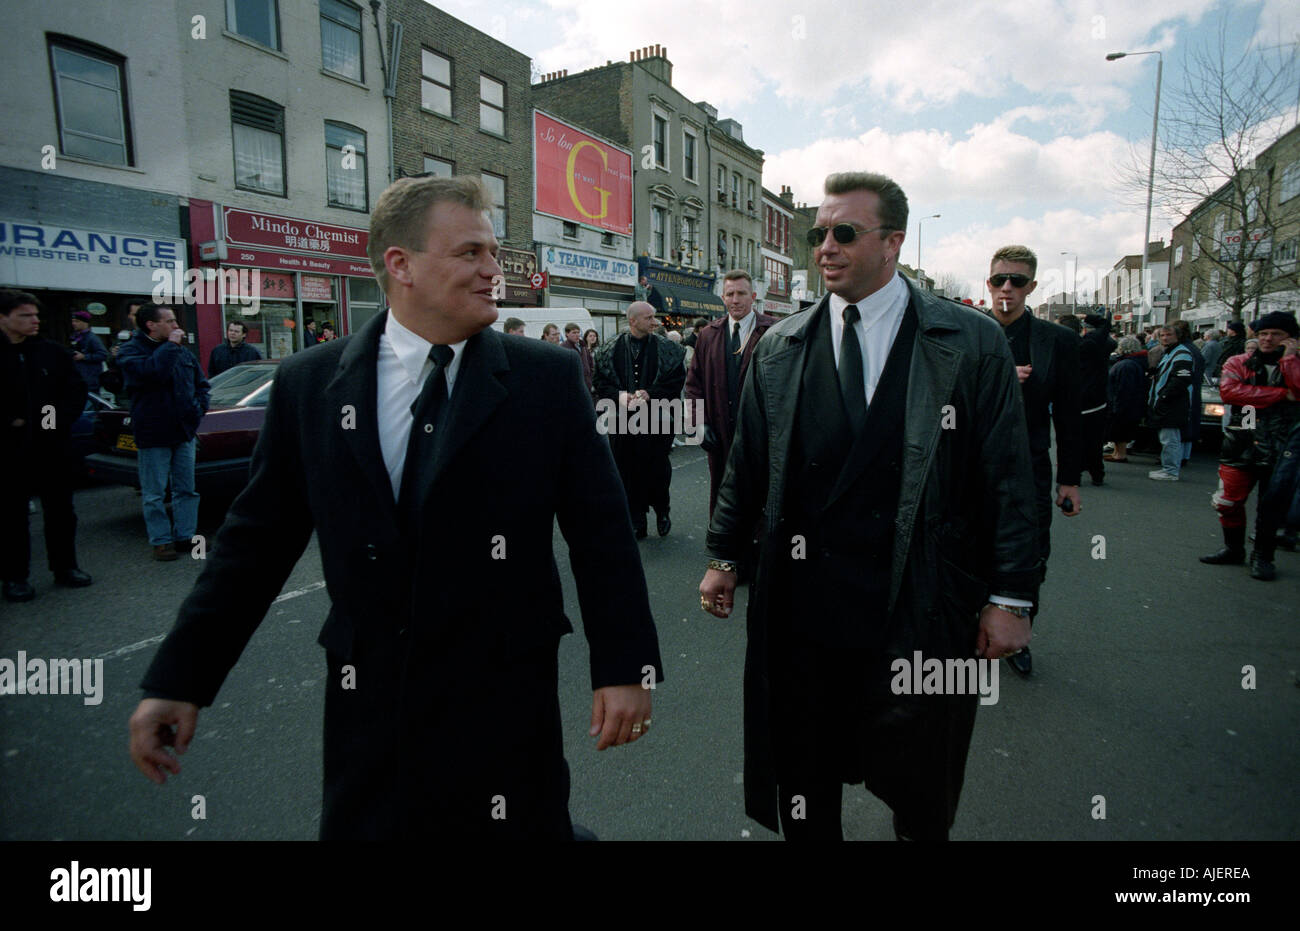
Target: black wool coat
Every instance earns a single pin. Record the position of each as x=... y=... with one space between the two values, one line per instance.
x=448 y=619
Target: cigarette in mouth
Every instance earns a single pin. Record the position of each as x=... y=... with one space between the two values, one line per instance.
x=1004 y=305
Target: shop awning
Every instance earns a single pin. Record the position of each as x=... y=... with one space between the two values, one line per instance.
x=690 y=301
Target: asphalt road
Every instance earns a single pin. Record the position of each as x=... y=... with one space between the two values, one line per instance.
x=1137 y=695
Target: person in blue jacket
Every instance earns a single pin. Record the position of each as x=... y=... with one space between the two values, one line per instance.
x=170 y=397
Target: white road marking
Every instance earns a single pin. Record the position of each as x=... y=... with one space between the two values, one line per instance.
x=144 y=644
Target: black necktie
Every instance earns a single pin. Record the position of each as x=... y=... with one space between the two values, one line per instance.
x=852 y=384
x=733 y=371
x=423 y=442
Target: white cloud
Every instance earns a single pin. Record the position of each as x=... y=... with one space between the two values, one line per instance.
x=904 y=56
x=1094 y=236
x=993 y=165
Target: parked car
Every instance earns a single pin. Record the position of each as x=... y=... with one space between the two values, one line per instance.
x=226 y=435
x=82 y=436
x=1211 y=413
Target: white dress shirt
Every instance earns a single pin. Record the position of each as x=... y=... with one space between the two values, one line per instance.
x=746 y=327
x=403 y=366
x=880 y=314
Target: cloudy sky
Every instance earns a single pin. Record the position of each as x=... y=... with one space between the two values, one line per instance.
x=1004 y=118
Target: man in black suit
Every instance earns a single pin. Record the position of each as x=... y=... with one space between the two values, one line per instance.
x=882 y=441
x=441 y=713
x=640 y=371
x=1047 y=364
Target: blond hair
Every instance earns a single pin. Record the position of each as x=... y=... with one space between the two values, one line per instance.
x=1021 y=255
x=401 y=216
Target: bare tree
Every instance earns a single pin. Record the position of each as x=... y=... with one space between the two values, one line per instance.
x=951 y=285
x=1228 y=110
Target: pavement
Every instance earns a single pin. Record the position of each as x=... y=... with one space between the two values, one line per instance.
x=1135 y=725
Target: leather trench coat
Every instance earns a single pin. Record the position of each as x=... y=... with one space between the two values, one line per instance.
x=965 y=526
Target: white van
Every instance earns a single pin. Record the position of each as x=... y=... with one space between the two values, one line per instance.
x=536 y=318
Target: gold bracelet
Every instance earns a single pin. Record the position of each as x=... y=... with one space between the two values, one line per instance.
x=722 y=565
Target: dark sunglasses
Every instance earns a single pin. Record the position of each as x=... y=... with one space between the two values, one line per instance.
x=1017 y=281
x=844 y=233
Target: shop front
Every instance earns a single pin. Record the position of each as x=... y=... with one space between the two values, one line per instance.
x=522 y=286
x=288 y=279
x=604 y=285
x=686 y=294
x=72 y=268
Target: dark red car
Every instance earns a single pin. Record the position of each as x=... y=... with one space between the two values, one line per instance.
x=226 y=436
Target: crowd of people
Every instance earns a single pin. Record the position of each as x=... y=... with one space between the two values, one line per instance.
x=1152 y=381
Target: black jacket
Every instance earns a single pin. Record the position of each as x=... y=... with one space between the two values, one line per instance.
x=966 y=524
x=225 y=356
x=1095 y=348
x=169 y=394
x=34 y=374
x=614 y=367
x=1128 y=388
x=450 y=613
x=1052 y=398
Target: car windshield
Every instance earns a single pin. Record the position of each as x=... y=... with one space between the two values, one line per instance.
x=242 y=386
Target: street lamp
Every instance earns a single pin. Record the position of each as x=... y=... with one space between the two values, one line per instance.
x=1151 y=172
x=1074 y=295
x=933 y=216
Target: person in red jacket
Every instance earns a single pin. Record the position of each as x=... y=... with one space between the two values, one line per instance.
x=1263 y=387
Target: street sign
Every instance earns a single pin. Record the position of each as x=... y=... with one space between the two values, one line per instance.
x=538 y=280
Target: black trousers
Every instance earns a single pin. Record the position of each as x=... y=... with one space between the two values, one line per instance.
x=1044 y=505
x=48 y=478
x=1094 y=429
x=643 y=465
x=836 y=722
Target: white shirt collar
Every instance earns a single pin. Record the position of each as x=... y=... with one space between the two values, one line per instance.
x=890 y=299
x=412 y=351
x=746 y=326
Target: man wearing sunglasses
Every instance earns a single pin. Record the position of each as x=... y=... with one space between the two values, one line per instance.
x=1047 y=365
x=881 y=442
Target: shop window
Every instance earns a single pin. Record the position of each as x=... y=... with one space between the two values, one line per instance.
x=435 y=82
x=345 y=166
x=491 y=105
x=90 y=102
x=340 y=38
x=496 y=186
x=319 y=296
x=365 y=300
x=258 y=128
x=258 y=20
x=271 y=321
